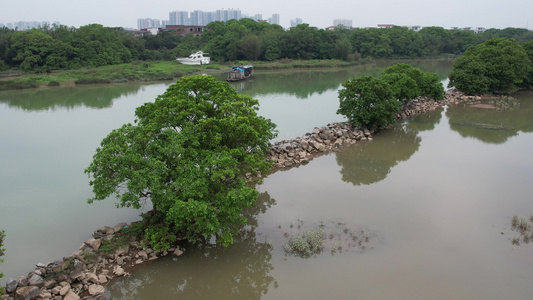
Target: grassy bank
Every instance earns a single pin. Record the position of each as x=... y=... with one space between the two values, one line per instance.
x=136 y=71
x=146 y=71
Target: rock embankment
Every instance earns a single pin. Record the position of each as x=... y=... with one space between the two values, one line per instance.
x=290 y=153
x=86 y=272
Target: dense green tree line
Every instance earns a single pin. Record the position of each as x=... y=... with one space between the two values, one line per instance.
x=62 y=47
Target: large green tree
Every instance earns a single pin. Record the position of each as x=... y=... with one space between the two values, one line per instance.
x=367 y=101
x=193 y=153
x=499 y=65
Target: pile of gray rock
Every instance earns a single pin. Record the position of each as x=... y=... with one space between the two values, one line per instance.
x=290 y=153
x=301 y=150
x=85 y=273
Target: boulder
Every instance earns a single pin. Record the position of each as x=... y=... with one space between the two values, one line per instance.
x=64 y=290
x=56 y=290
x=122 y=250
x=104 y=229
x=102 y=279
x=91 y=277
x=96 y=289
x=75 y=265
x=119 y=226
x=178 y=252
x=119 y=271
x=143 y=254
x=11 y=285
x=49 y=283
x=27 y=292
x=94 y=243
x=35 y=280
x=71 y=296
x=23 y=281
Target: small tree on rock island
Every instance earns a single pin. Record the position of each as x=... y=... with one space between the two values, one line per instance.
x=367 y=101
x=189 y=153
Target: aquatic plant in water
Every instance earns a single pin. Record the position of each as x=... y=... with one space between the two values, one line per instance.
x=308 y=243
x=335 y=237
x=524 y=227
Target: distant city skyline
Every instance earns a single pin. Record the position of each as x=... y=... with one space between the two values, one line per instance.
x=125 y=13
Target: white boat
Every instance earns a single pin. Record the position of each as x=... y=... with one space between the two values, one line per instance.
x=197 y=58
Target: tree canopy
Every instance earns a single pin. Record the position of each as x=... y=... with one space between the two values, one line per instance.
x=499 y=65
x=192 y=153
x=62 y=47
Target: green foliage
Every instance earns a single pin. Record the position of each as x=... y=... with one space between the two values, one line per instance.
x=408 y=82
x=37 y=51
x=367 y=101
x=499 y=65
x=61 y=47
x=403 y=87
x=528 y=80
x=189 y=153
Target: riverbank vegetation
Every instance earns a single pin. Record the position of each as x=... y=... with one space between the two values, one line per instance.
x=65 y=48
x=194 y=154
x=136 y=71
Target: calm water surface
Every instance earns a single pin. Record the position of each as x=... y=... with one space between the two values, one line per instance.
x=434 y=193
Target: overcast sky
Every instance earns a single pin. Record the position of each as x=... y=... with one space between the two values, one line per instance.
x=444 y=13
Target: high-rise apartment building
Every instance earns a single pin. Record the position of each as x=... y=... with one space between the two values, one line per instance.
x=148 y=23
x=178 y=18
x=343 y=22
x=274 y=19
x=201 y=18
x=296 y=22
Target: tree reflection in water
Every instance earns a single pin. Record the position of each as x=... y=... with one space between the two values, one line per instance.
x=370 y=162
x=206 y=270
x=93 y=96
x=493 y=125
